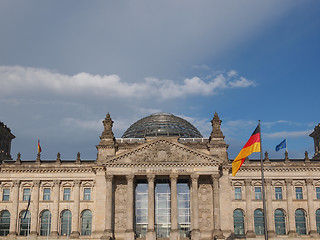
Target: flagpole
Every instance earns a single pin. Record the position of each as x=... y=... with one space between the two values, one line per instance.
x=263 y=191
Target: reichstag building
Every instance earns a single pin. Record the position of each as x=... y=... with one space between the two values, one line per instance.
x=161 y=180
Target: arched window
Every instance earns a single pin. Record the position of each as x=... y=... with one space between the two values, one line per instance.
x=300 y=217
x=238 y=222
x=86 y=222
x=4 y=223
x=66 y=220
x=25 y=223
x=318 y=220
x=258 y=222
x=279 y=222
x=45 y=224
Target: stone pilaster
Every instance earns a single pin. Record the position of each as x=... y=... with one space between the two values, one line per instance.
x=14 y=212
x=130 y=207
x=270 y=216
x=76 y=207
x=217 y=233
x=174 y=233
x=195 y=233
x=291 y=218
x=249 y=216
x=151 y=234
x=34 y=207
x=108 y=234
x=55 y=210
x=311 y=210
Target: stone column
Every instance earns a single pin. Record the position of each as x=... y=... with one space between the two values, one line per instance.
x=217 y=233
x=195 y=233
x=55 y=210
x=270 y=215
x=291 y=218
x=34 y=208
x=130 y=208
x=249 y=216
x=151 y=234
x=108 y=228
x=14 y=211
x=174 y=232
x=311 y=210
x=76 y=208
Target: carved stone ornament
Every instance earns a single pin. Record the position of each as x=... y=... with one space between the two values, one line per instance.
x=107 y=124
x=205 y=219
x=151 y=177
x=194 y=177
x=109 y=178
x=216 y=127
x=289 y=182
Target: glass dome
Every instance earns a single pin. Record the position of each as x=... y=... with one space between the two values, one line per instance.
x=162 y=124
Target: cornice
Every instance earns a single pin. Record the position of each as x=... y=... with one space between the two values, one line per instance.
x=37 y=169
x=165 y=164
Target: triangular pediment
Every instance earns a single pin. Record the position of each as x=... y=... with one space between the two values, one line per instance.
x=163 y=151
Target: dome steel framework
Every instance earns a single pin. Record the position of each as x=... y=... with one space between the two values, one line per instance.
x=162 y=124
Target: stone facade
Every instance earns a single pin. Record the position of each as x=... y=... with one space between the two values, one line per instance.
x=136 y=183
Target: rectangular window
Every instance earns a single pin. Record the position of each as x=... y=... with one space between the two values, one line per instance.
x=237 y=193
x=46 y=194
x=318 y=192
x=66 y=194
x=278 y=192
x=299 y=194
x=87 y=194
x=26 y=194
x=6 y=194
x=257 y=193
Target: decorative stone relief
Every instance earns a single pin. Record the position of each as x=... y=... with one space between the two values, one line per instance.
x=120 y=206
x=205 y=207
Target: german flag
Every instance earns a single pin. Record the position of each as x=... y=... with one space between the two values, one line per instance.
x=39 y=148
x=253 y=145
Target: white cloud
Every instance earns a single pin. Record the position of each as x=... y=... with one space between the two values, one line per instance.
x=23 y=80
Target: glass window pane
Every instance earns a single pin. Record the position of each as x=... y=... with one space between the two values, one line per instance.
x=279 y=220
x=237 y=193
x=66 y=220
x=278 y=192
x=45 y=224
x=25 y=223
x=6 y=194
x=66 y=194
x=46 y=194
x=4 y=223
x=300 y=218
x=141 y=211
x=162 y=209
x=258 y=193
x=318 y=220
x=26 y=194
x=238 y=222
x=299 y=194
x=87 y=194
x=258 y=222
x=86 y=223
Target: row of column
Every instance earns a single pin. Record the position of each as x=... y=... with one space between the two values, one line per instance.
x=174 y=232
x=290 y=209
x=34 y=208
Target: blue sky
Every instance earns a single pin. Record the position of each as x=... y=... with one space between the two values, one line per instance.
x=64 y=65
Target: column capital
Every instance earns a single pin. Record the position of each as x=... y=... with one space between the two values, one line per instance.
x=309 y=181
x=268 y=182
x=130 y=177
x=248 y=182
x=151 y=177
x=194 y=177
x=56 y=183
x=173 y=177
x=16 y=183
x=215 y=177
x=36 y=183
x=77 y=183
x=288 y=182
x=109 y=178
